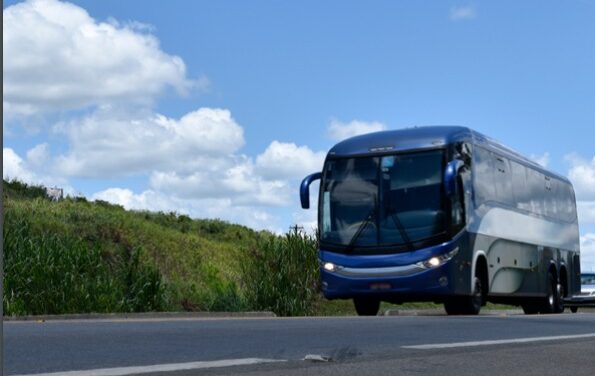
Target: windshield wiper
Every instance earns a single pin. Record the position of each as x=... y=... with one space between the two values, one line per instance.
x=402 y=231
x=361 y=228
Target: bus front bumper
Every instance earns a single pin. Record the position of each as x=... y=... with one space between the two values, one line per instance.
x=418 y=281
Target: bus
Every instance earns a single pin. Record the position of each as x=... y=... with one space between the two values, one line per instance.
x=443 y=214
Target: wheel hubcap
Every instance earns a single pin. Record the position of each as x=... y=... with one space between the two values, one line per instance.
x=551 y=300
x=477 y=294
x=560 y=290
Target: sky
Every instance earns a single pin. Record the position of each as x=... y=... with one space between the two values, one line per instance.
x=218 y=109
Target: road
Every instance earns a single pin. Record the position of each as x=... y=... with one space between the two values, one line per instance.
x=417 y=345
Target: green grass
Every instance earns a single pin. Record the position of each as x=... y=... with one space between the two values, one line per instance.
x=197 y=262
x=46 y=274
x=281 y=275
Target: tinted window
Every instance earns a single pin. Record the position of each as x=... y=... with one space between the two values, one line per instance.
x=522 y=191
x=536 y=188
x=380 y=201
x=551 y=198
x=349 y=197
x=542 y=195
x=503 y=181
x=483 y=177
x=566 y=203
x=411 y=197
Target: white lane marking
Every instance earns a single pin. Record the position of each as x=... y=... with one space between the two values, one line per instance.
x=496 y=342
x=122 y=371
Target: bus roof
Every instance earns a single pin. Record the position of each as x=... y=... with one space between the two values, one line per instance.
x=401 y=139
x=426 y=137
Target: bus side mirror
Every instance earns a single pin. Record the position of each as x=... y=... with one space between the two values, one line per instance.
x=450 y=176
x=305 y=189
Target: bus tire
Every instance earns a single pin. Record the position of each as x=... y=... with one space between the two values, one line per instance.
x=452 y=307
x=466 y=305
x=559 y=298
x=574 y=309
x=549 y=303
x=366 y=306
x=530 y=309
x=472 y=304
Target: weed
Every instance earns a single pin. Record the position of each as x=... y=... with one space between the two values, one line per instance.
x=281 y=275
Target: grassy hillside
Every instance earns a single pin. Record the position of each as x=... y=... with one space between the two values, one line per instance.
x=75 y=255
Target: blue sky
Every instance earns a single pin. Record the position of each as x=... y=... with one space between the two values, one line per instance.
x=115 y=100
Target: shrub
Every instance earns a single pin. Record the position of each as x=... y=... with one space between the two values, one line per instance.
x=220 y=295
x=15 y=188
x=141 y=284
x=281 y=275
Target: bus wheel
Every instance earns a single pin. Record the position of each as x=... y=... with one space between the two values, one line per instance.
x=467 y=305
x=559 y=299
x=574 y=309
x=474 y=302
x=366 y=306
x=452 y=307
x=530 y=309
x=550 y=301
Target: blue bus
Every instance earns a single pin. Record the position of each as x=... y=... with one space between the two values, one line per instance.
x=447 y=215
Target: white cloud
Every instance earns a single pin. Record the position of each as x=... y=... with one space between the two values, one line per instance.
x=61 y=58
x=287 y=160
x=543 y=159
x=14 y=167
x=222 y=208
x=38 y=155
x=582 y=175
x=108 y=143
x=338 y=130
x=588 y=252
x=308 y=219
x=460 y=13
x=238 y=184
x=586 y=212
x=31 y=170
x=194 y=157
x=193 y=166
x=147 y=200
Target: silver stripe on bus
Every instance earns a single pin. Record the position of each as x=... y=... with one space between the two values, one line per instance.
x=393 y=271
x=511 y=225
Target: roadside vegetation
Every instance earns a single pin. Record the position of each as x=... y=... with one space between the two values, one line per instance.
x=281 y=275
x=75 y=256
x=79 y=256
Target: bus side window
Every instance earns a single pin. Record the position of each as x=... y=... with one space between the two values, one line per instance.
x=567 y=206
x=520 y=187
x=483 y=181
x=458 y=208
x=503 y=181
x=551 y=200
x=536 y=191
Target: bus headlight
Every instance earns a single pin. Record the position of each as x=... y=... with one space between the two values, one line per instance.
x=436 y=261
x=329 y=266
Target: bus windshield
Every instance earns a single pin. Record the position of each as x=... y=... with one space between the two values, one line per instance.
x=382 y=201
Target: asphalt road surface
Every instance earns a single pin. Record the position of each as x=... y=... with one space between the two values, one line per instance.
x=418 y=345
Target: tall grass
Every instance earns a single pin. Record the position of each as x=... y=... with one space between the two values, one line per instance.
x=133 y=261
x=50 y=274
x=281 y=275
